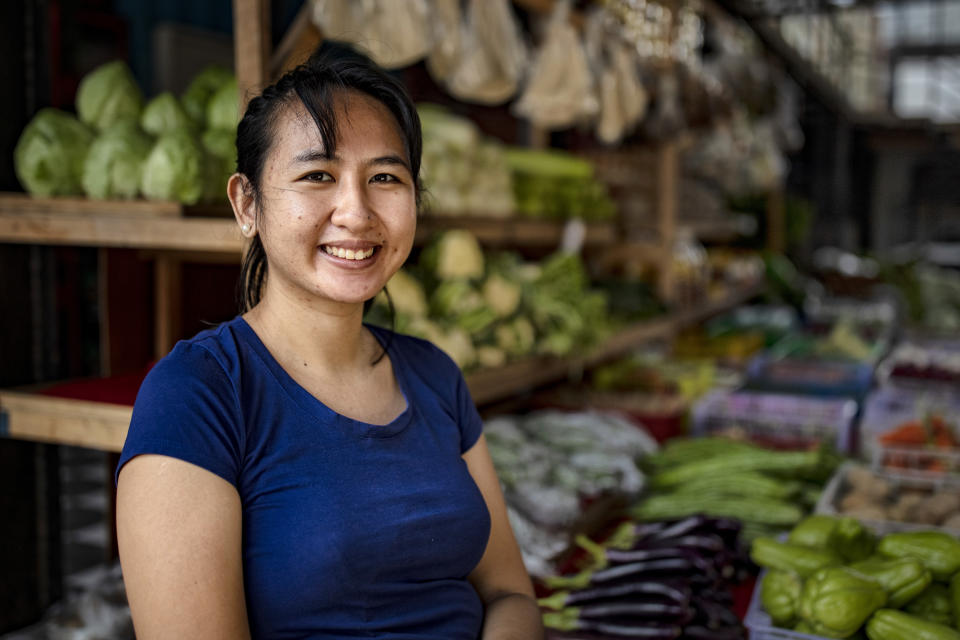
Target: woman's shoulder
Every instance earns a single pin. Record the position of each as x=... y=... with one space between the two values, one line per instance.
x=414 y=351
x=211 y=353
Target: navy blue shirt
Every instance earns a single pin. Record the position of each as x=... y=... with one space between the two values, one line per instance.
x=350 y=530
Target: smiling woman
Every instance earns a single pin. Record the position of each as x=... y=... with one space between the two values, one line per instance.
x=294 y=472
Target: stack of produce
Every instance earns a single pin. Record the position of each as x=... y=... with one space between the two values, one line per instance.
x=667 y=579
x=485 y=310
x=923 y=363
x=881 y=498
x=119 y=148
x=549 y=463
x=833 y=578
x=463 y=171
x=556 y=184
x=768 y=490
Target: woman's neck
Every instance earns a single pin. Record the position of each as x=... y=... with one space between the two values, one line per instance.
x=329 y=338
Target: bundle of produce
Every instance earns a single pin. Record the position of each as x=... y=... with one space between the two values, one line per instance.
x=550 y=462
x=463 y=172
x=923 y=363
x=912 y=431
x=556 y=184
x=668 y=579
x=889 y=500
x=834 y=578
x=119 y=148
x=484 y=311
x=768 y=490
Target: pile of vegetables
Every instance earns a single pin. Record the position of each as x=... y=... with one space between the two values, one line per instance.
x=463 y=171
x=874 y=496
x=768 y=490
x=550 y=462
x=667 y=579
x=120 y=147
x=549 y=183
x=834 y=578
x=485 y=310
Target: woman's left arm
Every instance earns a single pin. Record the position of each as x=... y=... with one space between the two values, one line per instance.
x=511 y=611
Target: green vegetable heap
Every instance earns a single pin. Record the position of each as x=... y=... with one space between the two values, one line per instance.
x=118 y=148
x=831 y=577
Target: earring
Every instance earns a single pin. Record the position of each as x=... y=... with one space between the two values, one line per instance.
x=245 y=228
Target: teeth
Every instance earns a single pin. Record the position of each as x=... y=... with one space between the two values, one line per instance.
x=349 y=254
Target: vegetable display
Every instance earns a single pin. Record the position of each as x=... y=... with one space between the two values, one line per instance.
x=904 y=586
x=485 y=310
x=668 y=579
x=119 y=148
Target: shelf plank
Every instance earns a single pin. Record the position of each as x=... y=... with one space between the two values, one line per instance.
x=180 y=234
x=491 y=385
x=24 y=204
x=514 y=231
x=81 y=423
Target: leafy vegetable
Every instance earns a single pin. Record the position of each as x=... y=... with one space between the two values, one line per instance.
x=164 y=114
x=454 y=254
x=107 y=95
x=202 y=88
x=49 y=155
x=223 y=108
x=175 y=168
x=114 y=165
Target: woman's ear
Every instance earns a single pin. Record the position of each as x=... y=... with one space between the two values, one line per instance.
x=240 y=192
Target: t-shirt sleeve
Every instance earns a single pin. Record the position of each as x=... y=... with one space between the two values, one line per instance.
x=471 y=426
x=187 y=408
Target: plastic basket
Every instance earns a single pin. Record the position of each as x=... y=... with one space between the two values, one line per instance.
x=830 y=498
x=888 y=408
x=760 y=625
x=810 y=376
x=778 y=420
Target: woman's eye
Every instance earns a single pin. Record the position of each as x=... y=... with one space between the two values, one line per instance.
x=384 y=177
x=318 y=176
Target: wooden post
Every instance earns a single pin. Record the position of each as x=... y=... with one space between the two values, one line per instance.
x=776 y=221
x=251 y=46
x=167 y=290
x=668 y=183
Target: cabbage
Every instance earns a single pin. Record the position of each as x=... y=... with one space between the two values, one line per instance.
x=407 y=294
x=201 y=89
x=107 y=95
x=175 y=169
x=455 y=254
x=221 y=148
x=115 y=162
x=223 y=108
x=49 y=155
x=164 y=114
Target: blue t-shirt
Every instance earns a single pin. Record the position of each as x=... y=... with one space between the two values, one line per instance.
x=350 y=530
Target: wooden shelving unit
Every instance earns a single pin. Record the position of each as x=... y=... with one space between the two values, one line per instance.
x=103 y=425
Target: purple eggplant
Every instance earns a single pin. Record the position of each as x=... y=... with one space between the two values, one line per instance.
x=569 y=620
x=647 y=591
x=611 y=611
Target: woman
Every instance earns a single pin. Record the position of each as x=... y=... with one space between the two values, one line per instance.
x=294 y=473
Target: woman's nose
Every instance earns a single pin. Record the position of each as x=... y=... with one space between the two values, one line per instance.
x=351 y=208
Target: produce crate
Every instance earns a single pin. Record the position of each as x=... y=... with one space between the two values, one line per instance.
x=810 y=376
x=760 y=625
x=912 y=432
x=838 y=487
x=923 y=362
x=777 y=420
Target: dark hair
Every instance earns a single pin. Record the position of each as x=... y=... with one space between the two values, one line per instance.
x=331 y=69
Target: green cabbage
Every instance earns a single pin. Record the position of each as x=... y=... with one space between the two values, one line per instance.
x=201 y=89
x=454 y=254
x=175 y=169
x=223 y=108
x=114 y=164
x=221 y=148
x=49 y=155
x=164 y=114
x=107 y=95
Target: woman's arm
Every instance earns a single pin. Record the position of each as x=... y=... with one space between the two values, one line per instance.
x=500 y=577
x=179 y=533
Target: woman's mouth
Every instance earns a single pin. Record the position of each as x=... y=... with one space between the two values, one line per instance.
x=349 y=254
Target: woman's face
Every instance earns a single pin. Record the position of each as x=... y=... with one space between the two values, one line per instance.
x=336 y=227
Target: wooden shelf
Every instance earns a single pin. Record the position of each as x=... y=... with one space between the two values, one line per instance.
x=81 y=423
x=492 y=385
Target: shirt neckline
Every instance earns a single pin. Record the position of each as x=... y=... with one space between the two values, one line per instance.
x=314 y=406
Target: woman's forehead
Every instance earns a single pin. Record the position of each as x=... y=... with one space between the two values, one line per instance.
x=355 y=114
